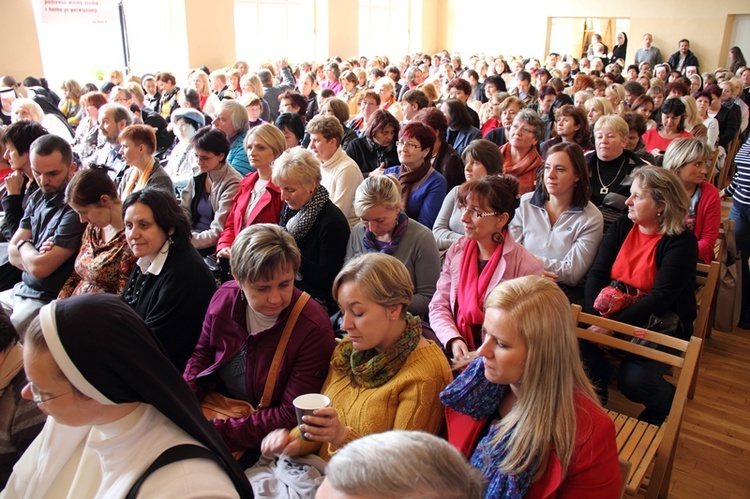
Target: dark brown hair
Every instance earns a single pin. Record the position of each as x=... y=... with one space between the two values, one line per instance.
x=582 y=189
x=89 y=185
x=497 y=192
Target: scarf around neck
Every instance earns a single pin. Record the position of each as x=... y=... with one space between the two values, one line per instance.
x=371 y=369
x=299 y=222
x=472 y=289
x=409 y=177
x=372 y=244
x=524 y=170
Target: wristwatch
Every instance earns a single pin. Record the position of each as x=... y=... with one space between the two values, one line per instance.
x=22 y=242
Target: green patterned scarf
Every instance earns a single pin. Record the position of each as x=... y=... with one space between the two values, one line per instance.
x=371 y=369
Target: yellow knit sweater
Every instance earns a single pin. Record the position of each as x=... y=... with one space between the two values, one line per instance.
x=408 y=401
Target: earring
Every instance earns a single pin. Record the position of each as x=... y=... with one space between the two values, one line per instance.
x=497 y=238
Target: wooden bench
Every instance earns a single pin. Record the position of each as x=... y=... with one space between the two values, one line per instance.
x=648 y=448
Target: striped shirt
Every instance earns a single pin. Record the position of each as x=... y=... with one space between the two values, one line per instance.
x=739 y=189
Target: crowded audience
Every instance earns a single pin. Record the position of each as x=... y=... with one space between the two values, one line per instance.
x=350 y=229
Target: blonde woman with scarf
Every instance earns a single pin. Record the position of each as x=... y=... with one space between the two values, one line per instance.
x=384 y=374
x=485 y=256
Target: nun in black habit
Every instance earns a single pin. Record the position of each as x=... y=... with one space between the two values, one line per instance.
x=116 y=404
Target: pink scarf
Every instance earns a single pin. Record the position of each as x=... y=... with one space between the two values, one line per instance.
x=472 y=288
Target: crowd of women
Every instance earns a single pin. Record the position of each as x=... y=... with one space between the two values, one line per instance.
x=357 y=236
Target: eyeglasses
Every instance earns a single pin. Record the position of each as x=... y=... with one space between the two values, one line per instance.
x=408 y=145
x=523 y=129
x=37 y=398
x=474 y=213
x=204 y=158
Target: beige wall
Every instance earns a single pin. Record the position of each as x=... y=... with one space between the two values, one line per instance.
x=210 y=33
x=521 y=27
x=19 y=44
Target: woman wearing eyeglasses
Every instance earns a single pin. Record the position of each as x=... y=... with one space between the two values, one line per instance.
x=208 y=195
x=520 y=155
x=258 y=199
x=477 y=262
x=422 y=187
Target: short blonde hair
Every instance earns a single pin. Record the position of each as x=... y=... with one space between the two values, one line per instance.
x=297 y=164
x=667 y=190
x=385 y=83
x=249 y=99
x=270 y=135
x=378 y=190
x=683 y=151
x=261 y=251
x=28 y=105
x=612 y=122
x=615 y=90
x=382 y=278
x=220 y=75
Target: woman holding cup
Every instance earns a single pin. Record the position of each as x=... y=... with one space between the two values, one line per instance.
x=384 y=375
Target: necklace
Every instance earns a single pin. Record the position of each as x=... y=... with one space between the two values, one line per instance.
x=605 y=188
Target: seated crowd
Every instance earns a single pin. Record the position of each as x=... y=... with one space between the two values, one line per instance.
x=341 y=230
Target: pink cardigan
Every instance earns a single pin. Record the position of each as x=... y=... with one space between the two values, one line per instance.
x=707 y=220
x=516 y=261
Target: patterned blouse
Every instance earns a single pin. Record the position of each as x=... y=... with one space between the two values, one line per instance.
x=100 y=267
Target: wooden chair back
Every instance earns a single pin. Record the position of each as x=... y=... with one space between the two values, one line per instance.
x=647 y=447
x=706 y=278
x=712 y=165
x=727 y=170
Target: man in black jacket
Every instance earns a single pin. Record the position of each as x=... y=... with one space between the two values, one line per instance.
x=683 y=58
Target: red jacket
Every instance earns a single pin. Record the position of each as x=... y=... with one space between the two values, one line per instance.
x=267 y=210
x=594 y=471
x=707 y=221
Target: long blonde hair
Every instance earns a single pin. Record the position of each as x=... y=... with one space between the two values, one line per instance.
x=545 y=413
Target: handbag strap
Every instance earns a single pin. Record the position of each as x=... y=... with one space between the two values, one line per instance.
x=273 y=372
x=172 y=455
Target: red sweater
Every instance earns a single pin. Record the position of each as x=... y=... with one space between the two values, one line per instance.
x=594 y=470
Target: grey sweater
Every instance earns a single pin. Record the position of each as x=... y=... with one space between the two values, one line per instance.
x=418 y=251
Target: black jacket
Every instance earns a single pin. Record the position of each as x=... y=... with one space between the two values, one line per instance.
x=323 y=250
x=674 y=287
x=173 y=304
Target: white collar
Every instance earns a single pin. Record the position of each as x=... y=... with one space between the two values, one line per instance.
x=154 y=267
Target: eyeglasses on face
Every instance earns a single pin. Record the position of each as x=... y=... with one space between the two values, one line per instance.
x=204 y=158
x=37 y=397
x=408 y=145
x=474 y=213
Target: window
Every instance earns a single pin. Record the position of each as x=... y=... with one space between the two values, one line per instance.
x=267 y=30
x=384 y=27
